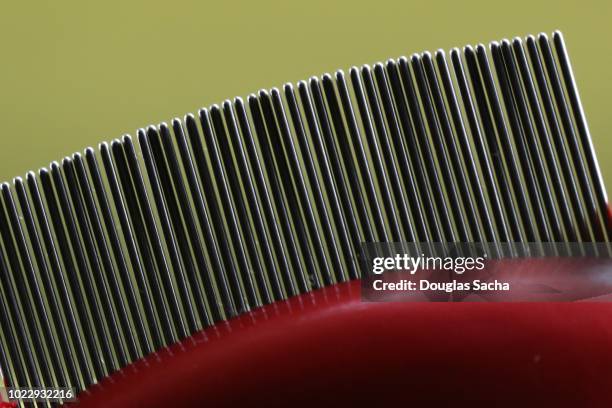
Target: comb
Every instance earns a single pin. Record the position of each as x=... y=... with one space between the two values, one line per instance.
x=117 y=259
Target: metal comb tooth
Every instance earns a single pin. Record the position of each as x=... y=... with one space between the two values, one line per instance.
x=421 y=147
x=55 y=317
x=137 y=274
x=486 y=229
x=238 y=295
x=288 y=161
x=175 y=301
x=217 y=278
x=118 y=302
x=272 y=198
x=288 y=282
x=583 y=132
x=586 y=184
x=280 y=180
x=326 y=221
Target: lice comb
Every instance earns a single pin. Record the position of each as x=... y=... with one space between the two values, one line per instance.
x=114 y=255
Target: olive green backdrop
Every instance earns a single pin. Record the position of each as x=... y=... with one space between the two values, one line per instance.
x=74 y=73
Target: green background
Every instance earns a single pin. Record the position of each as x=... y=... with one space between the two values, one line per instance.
x=74 y=73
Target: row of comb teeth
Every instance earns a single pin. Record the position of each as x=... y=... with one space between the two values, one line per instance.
x=113 y=255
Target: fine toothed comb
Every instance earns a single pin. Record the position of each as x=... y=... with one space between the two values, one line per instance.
x=118 y=253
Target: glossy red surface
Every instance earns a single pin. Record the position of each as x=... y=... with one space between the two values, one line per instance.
x=330 y=349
